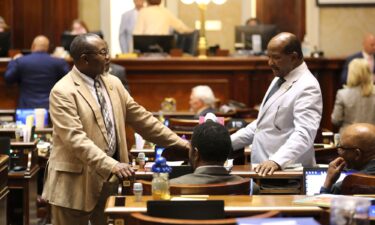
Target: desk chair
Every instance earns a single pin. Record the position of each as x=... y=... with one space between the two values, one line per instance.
x=358 y=184
x=241 y=187
x=143 y=219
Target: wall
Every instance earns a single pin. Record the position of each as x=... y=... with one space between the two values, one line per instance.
x=89 y=11
x=342 y=29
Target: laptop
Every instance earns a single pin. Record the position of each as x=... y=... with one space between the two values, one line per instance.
x=313 y=179
x=204 y=210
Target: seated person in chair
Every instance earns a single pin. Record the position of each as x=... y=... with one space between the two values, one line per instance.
x=210 y=147
x=356 y=151
x=202 y=100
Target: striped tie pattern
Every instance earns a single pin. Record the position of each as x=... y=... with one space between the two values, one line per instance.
x=107 y=118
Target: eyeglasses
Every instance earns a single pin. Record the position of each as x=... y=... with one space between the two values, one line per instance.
x=103 y=52
x=343 y=149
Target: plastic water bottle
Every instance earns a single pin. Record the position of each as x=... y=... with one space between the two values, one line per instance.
x=137 y=191
x=349 y=210
x=160 y=180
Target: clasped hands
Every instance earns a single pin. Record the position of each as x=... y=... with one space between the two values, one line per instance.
x=267 y=168
x=122 y=171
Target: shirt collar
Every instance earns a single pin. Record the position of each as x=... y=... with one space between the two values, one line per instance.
x=88 y=80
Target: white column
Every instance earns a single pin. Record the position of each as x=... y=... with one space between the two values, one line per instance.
x=312 y=23
x=110 y=17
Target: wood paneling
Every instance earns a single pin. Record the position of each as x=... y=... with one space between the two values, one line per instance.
x=28 y=19
x=242 y=79
x=288 y=15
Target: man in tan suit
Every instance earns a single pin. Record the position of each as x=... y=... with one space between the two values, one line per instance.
x=89 y=109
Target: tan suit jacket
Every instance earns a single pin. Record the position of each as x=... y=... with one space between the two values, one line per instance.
x=78 y=165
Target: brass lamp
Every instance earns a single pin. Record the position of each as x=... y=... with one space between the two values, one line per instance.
x=202 y=5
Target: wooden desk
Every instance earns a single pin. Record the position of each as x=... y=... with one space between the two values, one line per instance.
x=246 y=172
x=242 y=79
x=235 y=206
x=23 y=195
x=4 y=190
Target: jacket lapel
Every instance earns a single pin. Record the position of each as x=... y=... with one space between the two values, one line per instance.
x=85 y=93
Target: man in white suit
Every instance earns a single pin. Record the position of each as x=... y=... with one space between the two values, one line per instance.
x=289 y=115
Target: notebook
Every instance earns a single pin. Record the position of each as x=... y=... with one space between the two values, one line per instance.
x=314 y=178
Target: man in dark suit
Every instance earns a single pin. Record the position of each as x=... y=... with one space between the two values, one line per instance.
x=210 y=147
x=120 y=73
x=367 y=53
x=36 y=74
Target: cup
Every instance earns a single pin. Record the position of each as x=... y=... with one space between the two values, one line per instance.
x=18 y=134
x=139 y=141
x=26 y=133
x=137 y=190
x=39 y=117
x=349 y=210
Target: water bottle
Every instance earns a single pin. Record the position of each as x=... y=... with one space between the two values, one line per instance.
x=137 y=191
x=141 y=160
x=160 y=181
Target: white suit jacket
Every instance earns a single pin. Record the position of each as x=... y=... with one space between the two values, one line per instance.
x=287 y=123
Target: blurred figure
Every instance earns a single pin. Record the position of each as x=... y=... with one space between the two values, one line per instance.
x=78 y=27
x=128 y=21
x=356 y=151
x=202 y=100
x=157 y=20
x=367 y=53
x=356 y=102
x=36 y=74
x=253 y=21
x=3 y=25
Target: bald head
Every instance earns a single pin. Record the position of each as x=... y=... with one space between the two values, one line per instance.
x=369 y=44
x=40 y=44
x=284 y=53
x=362 y=136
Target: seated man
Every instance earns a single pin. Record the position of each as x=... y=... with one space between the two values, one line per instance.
x=202 y=100
x=210 y=146
x=356 y=151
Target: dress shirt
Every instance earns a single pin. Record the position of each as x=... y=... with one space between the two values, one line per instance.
x=127 y=24
x=156 y=20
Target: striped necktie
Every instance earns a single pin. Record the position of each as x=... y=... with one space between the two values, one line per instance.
x=107 y=118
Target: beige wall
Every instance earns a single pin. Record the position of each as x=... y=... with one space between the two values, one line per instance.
x=342 y=29
x=89 y=11
x=229 y=13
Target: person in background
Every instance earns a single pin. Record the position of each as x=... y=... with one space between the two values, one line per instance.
x=78 y=27
x=157 y=20
x=367 y=53
x=202 y=100
x=290 y=114
x=128 y=20
x=3 y=25
x=253 y=21
x=89 y=109
x=36 y=74
x=210 y=147
x=356 y=151
x=355 y=103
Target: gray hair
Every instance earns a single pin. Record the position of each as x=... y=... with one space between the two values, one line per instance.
x=204 y=93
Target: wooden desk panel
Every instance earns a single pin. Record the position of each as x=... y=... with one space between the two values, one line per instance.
x=234 y=206
x=242 y=79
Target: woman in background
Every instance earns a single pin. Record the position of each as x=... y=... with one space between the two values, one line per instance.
x=355 y=103
x=78 y=27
